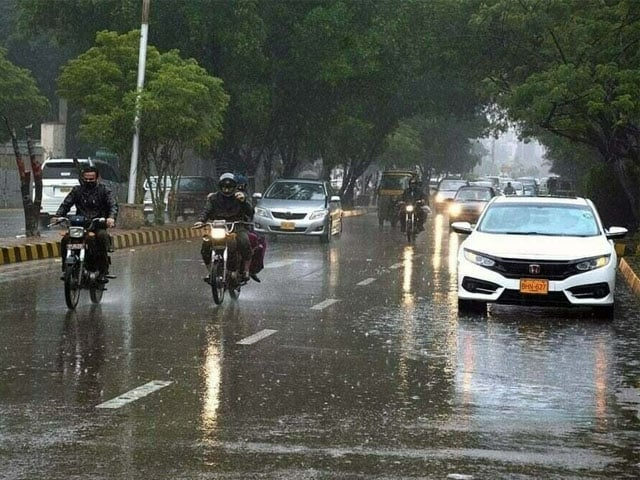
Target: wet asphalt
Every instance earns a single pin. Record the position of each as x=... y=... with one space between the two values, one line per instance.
x=348 y=361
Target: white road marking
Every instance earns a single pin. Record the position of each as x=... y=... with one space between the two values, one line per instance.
x=256 y=337
x=325 y=304
x=396 y=266
x=135 y=394
x=281 y=263
x=366 y=281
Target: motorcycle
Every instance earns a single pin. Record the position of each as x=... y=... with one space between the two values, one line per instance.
x=409 y=219
x=224 y=268
x=80 y=269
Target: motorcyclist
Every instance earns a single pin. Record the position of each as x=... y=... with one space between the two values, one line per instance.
x=92 y=199
x=414 y=195
x=230 y=205
x=509 y=190
x=258 y=242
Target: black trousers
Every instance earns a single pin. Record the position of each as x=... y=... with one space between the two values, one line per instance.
x=242 y=241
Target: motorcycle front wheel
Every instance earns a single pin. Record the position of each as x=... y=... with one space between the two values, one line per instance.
x=217 y=282
x=410 y=230
x=95 y=292
x=72 y=285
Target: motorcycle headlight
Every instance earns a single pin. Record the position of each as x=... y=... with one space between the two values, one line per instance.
x=409 y=208
x=218 y=233
x=593 y=263
x=318 y=214
x=76 y=232
x=478 y=259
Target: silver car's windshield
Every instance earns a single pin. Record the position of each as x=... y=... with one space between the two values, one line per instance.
x=536 y=219
x=295 y=191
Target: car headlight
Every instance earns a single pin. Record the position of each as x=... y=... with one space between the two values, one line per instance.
x=455 y=209
x=478 y=259
x=593 y=263
x=261 y=212
x=439 y=197
x=318 y=214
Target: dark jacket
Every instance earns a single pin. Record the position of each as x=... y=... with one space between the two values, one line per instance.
x=221 y=207
x=412 y=195
x=95 y=202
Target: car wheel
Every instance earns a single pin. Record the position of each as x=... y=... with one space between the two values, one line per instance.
x=326 y=235
x=471 y=306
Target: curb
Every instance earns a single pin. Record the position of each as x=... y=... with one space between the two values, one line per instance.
x=630 y=276
x=51 y=249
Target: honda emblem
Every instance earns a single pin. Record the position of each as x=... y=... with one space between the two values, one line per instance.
x=534 y=269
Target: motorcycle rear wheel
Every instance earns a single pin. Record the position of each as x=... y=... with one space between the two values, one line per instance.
x=72 y=285
x=217 y=282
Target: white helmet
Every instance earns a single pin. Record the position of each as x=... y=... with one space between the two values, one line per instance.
x=227 y=184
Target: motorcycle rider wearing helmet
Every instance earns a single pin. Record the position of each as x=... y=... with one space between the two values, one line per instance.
x=231 y=205
x=412 y=195
x=92 y=199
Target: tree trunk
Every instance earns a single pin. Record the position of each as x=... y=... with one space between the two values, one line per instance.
x=629 y=186
x=32 y=213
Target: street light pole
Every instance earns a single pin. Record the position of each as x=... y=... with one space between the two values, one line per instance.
x=142 y=58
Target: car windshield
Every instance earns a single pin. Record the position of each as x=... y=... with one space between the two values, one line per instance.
x=451 y=184
x=473 y=194
x=295 y=191
x=54 y=170
x=394 y=182
x=197 y=184
x=537 y=219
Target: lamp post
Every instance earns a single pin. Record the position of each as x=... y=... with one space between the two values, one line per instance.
x=142 y=58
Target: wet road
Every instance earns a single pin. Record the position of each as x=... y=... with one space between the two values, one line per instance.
x=348 y=361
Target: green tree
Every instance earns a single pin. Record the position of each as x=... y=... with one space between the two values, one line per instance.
x=182 y=105
x=570 y=68
x=20 y=98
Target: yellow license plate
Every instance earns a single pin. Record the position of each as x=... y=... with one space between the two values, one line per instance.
x=287 y=225
x=534 y=286
x=64 y=189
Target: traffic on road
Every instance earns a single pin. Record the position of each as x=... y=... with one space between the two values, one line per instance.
x=348 y=360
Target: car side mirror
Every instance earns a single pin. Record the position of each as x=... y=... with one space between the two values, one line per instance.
x=462 y=227
x=256 y=196
x=615 y=232
x=334 y=198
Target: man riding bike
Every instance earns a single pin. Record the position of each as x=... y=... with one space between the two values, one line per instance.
x=93 y=200
x=230 y=205
x=412 y=195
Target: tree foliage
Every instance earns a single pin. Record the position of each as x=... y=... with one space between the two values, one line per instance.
x=20 y=99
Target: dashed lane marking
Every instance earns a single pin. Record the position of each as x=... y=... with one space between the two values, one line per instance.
x=325 y=304
x=366 y=281
x=135 y=394
x=256 y=337
x=281 y=263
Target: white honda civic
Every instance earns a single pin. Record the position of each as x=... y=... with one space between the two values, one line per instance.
x=544 y=251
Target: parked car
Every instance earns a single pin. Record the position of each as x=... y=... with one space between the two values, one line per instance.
x=292 y=206
x=469 y=203
x=148 y=203
x=190 y=195
x=60 y=175
x=447 y=188
x=544 y=251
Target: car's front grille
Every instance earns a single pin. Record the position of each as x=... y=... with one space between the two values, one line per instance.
x=550 y=270
x=288 y=215
x=514 y=297
x=288 y=230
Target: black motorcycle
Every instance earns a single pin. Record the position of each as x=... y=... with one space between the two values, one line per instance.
x=409 y=219
x=225 y=266
x=80 y=260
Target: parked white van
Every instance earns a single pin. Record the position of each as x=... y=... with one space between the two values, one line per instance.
x=60 y=175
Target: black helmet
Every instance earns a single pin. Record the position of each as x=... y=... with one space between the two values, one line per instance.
x=227 y=184
x=242 y=182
